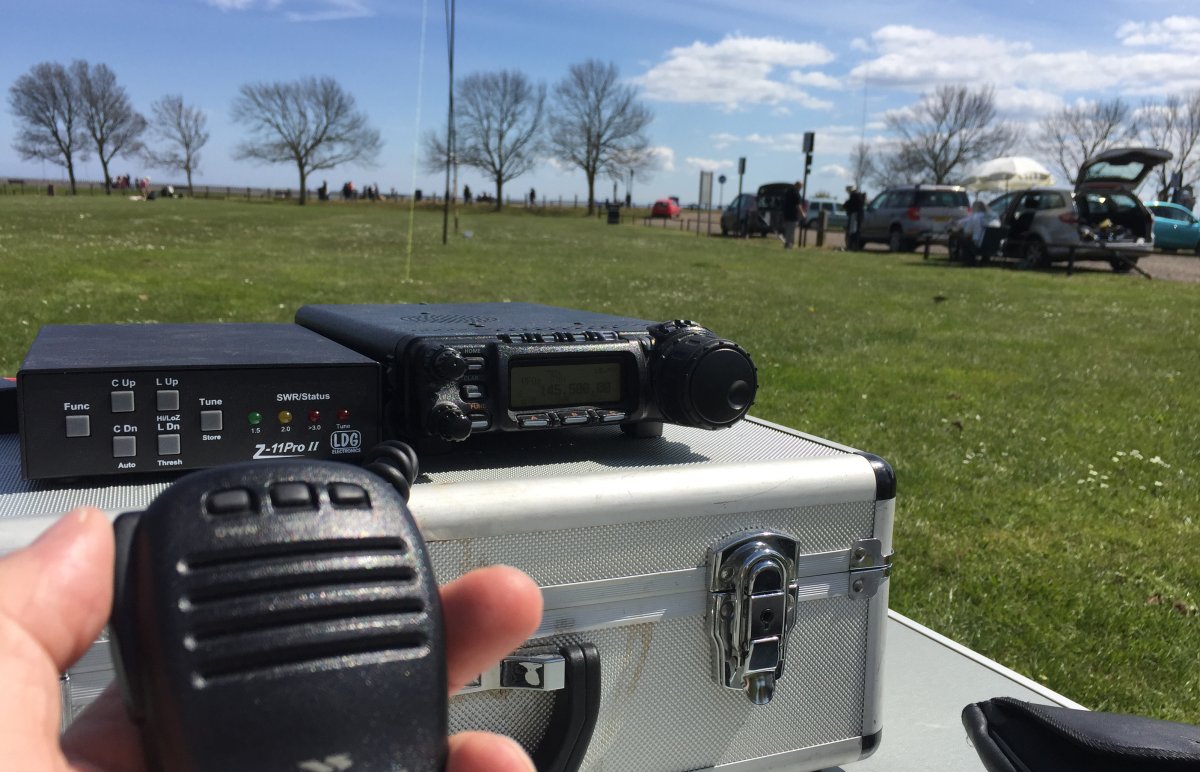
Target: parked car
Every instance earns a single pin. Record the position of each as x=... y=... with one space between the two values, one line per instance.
x=1101 y=218
x=770 y=203
x=742 y=217
x=902 y=217
x=837 y=216
x=1175 y=227
x=665 y=207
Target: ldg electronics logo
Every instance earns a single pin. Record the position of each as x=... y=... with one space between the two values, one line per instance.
x=345 y=442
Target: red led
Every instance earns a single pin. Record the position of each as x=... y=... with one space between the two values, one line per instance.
x=314 y=416
x=343 y=415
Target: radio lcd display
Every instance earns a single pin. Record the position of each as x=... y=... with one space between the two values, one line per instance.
x=558 y=385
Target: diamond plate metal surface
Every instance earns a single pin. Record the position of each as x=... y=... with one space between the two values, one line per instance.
x=603 y=552
x=660 y=709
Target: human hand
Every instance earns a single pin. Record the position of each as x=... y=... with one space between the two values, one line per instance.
x=56 y=595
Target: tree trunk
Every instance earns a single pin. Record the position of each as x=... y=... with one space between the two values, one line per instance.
x=303 y=182
x=499 y=190
x=71 y=174
x=591 y=193
x=188 y=169
x=107 y=179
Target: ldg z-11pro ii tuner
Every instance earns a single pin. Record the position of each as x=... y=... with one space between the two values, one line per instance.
x=280 y=616
x=132 y=398
x=454 y=370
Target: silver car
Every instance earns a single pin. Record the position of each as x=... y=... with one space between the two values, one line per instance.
x=1101 y=218
x=904 y=217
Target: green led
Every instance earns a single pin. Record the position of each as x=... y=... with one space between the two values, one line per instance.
x=255 y=418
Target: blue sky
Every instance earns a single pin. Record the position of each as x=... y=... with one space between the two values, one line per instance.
x=724 y=79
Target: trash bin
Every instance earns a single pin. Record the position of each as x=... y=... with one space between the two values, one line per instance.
x=614 y=214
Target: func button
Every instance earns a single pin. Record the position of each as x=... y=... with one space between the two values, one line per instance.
x=79 y=426
x=479 y=421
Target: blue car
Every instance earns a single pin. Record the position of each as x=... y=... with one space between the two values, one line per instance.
x=1174 y=227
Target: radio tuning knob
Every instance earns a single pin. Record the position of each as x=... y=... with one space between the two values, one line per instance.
x=447 y=422
x=700 y=379
x=447 y=364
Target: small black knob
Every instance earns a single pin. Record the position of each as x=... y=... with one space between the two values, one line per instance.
x=447 y=364
x=447 y=422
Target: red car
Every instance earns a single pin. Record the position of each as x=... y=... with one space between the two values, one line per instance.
x=665 y=207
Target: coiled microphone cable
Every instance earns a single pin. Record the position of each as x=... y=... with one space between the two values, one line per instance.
x=395 y=462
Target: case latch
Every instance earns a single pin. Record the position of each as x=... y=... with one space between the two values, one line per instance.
x=752 y=608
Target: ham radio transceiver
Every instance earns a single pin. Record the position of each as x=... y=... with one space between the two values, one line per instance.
x=453 y=370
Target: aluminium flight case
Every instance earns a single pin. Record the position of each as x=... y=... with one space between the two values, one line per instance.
x=629 y=539
x=679 y=560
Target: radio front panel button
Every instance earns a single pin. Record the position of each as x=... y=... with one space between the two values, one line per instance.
x=79 y=426
x=236 y=501
x=610 y=416
x=168 y=444
x=574 y=417
x=480 y=421
x=471 y=392
x=474 y=364
x=533 y=421
x=124 y=446
x=122 y=401
x=211 y=420
x=291 y=495
x=167 y=399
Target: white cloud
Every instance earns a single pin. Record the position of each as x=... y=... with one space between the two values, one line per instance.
x=835 y=170
x=815 y=79
x=333 y=10
x=303 y=10
x=1027 y=80
x=1178 y=32
x=709 y=164
x=736 y=72
x=664 y=158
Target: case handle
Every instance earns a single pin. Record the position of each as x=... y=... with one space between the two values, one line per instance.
x=576 y=708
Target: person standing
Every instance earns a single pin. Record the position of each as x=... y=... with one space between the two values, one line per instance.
x=854 y=212
x=792 y=213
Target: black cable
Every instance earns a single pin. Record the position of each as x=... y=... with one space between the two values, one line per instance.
x=395 y=462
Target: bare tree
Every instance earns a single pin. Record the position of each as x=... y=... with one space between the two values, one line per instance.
x=598 y=124
x=947 y=130
x=1077 y=132
x=112 y=123
x=181 y=128
x=499 y=123
x=50 y=125
x=1174 y=125
x=311 y=122
x=862 y=164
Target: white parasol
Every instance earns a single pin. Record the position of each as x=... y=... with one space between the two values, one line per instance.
x=1000 y=173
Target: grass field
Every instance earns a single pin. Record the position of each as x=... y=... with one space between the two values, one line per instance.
x=1045 y=430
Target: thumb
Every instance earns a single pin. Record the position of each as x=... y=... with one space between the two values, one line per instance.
x=55 y=596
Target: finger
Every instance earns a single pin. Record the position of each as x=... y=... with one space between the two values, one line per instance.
x=488 y=613
x=485 y=752
x=104 y=737
x=58 y=590
x=54 y=598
